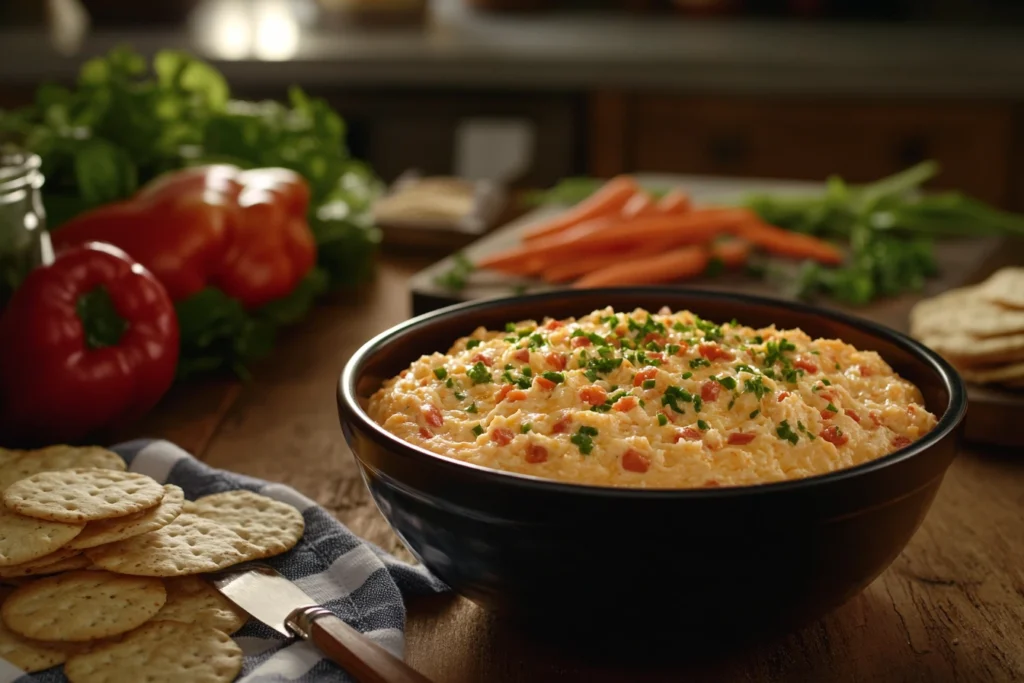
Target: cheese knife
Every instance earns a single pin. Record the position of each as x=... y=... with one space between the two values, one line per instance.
x=268 y=596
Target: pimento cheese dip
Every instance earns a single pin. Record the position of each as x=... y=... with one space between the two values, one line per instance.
x=664 y=400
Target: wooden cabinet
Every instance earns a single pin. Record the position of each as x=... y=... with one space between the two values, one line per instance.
x=789 y=138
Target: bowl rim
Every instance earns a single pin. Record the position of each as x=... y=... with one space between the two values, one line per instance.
x=944 y=427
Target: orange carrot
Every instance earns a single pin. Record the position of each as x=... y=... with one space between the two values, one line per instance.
x=695 y=227
x=571 y=269
x=650 y=270
x=732 y=253
x=640 y=204
x=785 y=243
x=607 y=201
x=674 y=201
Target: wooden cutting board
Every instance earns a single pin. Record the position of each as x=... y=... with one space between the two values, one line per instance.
x=993 y=412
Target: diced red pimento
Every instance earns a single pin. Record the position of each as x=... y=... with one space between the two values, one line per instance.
x=555 y=360
x=783 y=395
x=715 y=352
x=827 y=394
x=578 y=342
x=827 y=414
x=432 y=415
x=535 y=453
x=544 y=383
x=516 y=395
x=593 y=395
x=852 y=415
x=561 y=426
x=502 y=436
x=683 y=348
x=740 y=438
x=656 y=355
x=481 y=358
x=874 y=418
x=688 y=434
x=522 y=355
x=635 y=461
x=711 y=483
x=710 y=390
x=425 y=433
x=866 y=371
x=552 y=324
x=625 y=404
x=834 y=435
x=644 y=375
x=900 y=441
x=805 y=364
x=503 y=392
x=654 y=337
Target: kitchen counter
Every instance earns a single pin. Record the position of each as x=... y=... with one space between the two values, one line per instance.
x=274 y=43
x=949 y=608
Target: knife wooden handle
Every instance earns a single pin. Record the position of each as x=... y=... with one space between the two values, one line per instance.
x=360 y=657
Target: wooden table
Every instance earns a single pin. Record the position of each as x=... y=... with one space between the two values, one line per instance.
x=950 y=608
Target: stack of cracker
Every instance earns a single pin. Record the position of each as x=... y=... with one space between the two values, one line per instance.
x=99 y=568
x=979 y=329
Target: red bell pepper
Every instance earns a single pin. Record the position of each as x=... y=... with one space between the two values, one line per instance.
x=86 y=342
x=244 y=232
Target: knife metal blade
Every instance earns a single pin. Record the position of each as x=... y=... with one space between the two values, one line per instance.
x=284 y=607
x=262 y=592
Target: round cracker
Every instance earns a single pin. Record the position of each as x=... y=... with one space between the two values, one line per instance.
x=29 y=656
x=269 y=524
x=188 y=545
x=83 y=494
x=1005 y=287
x=966 y=351
x=23 y=539
x=82 y=605
x=191 y=600
x=76 y=561
x=997 y=375
x=52 y=458
x=159 y=652
x=966 y=312
x=119 y=528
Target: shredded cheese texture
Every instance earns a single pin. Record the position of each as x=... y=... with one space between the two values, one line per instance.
x=664 y=400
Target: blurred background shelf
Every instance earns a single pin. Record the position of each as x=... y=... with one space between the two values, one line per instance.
x=609 y=87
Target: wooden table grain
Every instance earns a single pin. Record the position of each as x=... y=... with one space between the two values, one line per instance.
x=950 y=608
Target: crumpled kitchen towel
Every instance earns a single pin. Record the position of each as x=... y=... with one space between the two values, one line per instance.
x=356 y=580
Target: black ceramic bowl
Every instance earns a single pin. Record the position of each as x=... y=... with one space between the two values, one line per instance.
x=774 y=554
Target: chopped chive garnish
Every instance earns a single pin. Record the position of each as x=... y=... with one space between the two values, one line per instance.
x=583 y=439
x=732 y=402
x=510 y=327
x=480 y=373
x=649 y=383
x=536 y=341
x=525 y=428
x=702 y=425
x=816 y=353
x=698 y=403
x=755 y=413
x=473 y=343
x=687 y=375
x=826 y=382
x=838 y=367
x=700 y=363
x=786 y=433
x=662 y=420
x=555 y=377
x=831 y=408
x=440 y=373
x=471 y=408
x=672 y=349
x=450 y=383
x=478 y=430
x=727 y=382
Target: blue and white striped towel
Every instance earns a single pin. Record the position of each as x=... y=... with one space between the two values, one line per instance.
x=356 y=580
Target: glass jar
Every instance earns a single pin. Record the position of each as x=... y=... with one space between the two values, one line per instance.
x=24 y=242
